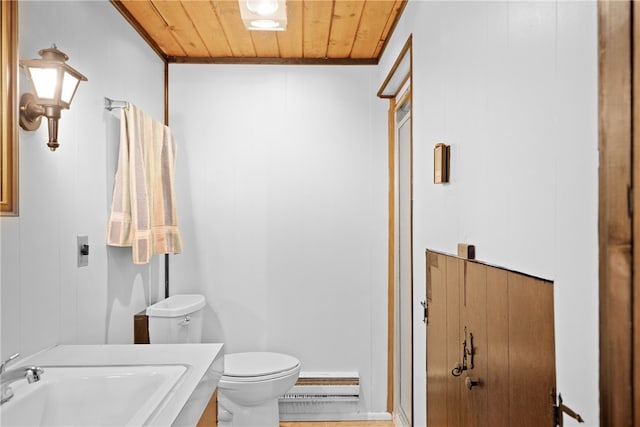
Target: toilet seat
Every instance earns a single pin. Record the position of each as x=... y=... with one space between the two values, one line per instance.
x=258 y=366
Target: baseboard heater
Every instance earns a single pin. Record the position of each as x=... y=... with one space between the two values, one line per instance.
x=321 y=393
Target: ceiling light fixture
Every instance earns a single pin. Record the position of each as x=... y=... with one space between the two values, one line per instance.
x=54 y=84
x=263 y=7
x=264 y=15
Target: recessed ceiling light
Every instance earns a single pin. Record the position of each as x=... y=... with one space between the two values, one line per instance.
x=264 y=15
x=263 y=7
x=265 y=24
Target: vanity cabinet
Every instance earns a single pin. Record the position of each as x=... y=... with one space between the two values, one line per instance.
x=490 y=346
x=209 y=417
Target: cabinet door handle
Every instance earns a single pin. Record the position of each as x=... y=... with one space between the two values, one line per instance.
x=467 y=355
x=457 y=369
x=471 y=383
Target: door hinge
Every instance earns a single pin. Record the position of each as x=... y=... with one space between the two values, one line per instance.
x=630 y=201
x=560 y=409
x=425 y=313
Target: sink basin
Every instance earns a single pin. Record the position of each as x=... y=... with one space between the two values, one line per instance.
x=116 y=384
x=91 y=395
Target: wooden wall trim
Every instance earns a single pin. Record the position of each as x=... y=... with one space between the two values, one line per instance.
x=394 y=103
x=270 y=61
x=636 y=210
x=9 y=111
x=391 y=259
x=399 y=12
x=407 y=48
x=615 y=225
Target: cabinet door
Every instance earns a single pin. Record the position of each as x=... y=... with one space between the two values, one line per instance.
x=497 y=381
x=437 y=365
x=505 y=319
x=531 y=351
x=455 y=269
x=474 y=333
x=444 y=348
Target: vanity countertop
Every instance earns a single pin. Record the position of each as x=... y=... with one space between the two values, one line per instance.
x=185 y=401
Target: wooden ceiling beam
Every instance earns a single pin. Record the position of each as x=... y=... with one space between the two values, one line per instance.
x=273 y=61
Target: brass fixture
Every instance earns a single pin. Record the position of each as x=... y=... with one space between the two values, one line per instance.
x=54 y=84
x=467 y=356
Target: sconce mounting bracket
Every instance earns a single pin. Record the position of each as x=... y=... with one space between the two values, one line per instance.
x=30 y=112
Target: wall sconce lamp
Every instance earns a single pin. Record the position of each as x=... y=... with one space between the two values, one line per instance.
x=54 y=84
x=264 y=15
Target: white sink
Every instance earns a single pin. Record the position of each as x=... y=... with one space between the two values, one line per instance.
x=91 y=396
x=116 y=385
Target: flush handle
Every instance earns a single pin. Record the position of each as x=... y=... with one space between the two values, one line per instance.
x=185 y=321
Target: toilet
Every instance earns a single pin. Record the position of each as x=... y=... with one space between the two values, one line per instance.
x=249 y=389
x=252 y=382
x=177 y=319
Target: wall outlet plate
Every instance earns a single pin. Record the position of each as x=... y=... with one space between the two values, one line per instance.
x=83 y=251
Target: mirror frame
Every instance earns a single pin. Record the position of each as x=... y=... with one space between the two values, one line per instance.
x=8 y=117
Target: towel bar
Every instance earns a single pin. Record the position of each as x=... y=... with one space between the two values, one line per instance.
x=109 y=104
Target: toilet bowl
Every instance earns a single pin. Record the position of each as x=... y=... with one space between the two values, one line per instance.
x=252 y=382
x=248 y=391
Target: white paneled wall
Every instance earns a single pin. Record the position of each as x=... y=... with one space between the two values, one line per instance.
x=282 y=184
x=46 y=298
x=512 y=87
x=282 y=197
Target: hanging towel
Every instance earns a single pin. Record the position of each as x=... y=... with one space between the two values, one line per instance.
x=143 y=208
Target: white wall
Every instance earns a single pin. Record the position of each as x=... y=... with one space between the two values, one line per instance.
x=46 y=299
x=512 y=87
x=282 y=202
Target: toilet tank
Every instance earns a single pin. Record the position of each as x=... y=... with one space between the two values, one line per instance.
x=177 y=319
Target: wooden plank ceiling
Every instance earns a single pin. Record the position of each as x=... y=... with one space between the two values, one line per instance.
x=318 y=31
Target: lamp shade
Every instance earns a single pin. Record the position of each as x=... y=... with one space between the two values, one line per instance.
x=54 y=81
x=54 y=84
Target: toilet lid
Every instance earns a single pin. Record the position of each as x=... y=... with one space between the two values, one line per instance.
x=256 y=364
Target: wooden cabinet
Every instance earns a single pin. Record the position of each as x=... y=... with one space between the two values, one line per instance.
x=490 y=346
x=209 y=417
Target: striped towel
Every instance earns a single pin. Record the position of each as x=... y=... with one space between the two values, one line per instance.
x=143 y=209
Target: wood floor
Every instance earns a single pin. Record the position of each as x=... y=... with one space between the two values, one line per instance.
x=337 y=424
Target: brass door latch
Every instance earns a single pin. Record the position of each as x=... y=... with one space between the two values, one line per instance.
x=467 y=355
x=560 y=409
x=425 y=311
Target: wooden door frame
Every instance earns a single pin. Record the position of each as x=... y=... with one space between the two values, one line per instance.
x=389 y=89
x=619 y=211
